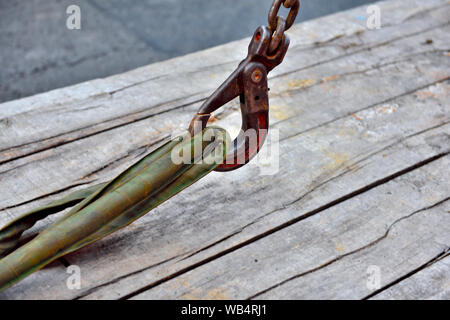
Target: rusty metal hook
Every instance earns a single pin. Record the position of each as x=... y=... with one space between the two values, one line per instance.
x=249 y=82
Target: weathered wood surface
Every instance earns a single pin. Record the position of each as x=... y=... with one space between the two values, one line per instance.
x=363 y=119
x=433 y=282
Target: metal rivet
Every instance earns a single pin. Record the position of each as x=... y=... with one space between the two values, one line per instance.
x=257 y=76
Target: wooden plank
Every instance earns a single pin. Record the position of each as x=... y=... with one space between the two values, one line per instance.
x=430 y=282
x=145 y=238
x=393 y=227
x=163 y=125
x=140 y=132
x=313 y=96
x=104 y=104
x=360 y=170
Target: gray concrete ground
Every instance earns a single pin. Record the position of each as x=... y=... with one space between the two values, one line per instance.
x=38 y=53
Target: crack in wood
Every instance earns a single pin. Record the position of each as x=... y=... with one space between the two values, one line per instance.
x=48 y=195
x=224 y=244
x=65 y=138
x=275 y=210
x=404 y=94
x=342 y=76
x=282 y=139
x=285 y=225
x=275 y=124
x=365 y=48
x=136 y=152
x=315 y=188
x=371 y=244
x=445 y=253
x=348 y=167
x=423 y=12
x=93 y=289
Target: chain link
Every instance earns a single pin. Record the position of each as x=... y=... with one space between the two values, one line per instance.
x=278 y=35
x=294 y=5
x=278 y=25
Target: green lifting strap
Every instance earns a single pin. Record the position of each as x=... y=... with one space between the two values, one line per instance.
x=102 y=209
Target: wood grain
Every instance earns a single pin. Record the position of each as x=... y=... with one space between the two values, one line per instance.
x=431 y=281
x=357 y=111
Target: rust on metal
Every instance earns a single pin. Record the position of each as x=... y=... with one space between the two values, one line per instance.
x=267 y=50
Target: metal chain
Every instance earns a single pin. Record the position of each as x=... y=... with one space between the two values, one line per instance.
x=278 y=25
